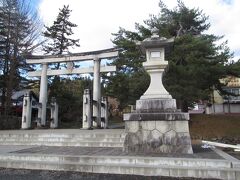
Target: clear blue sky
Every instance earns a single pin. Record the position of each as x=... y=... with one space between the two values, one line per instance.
x=35 y=3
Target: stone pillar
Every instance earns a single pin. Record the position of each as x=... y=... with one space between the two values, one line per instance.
x=157 y=126
x=38 y=120
x=54 y=114
x=155 y=90
x=104 y=112
x=97 y=92
x=27 y=111
x=43 y=95
x=87 y=110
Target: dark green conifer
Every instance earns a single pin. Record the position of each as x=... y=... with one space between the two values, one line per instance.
x=59 y=33
x=196 y=62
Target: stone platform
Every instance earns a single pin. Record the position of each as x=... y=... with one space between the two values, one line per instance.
x=203 y=163
x=157 y=126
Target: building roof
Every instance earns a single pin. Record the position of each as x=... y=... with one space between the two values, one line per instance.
x=17 y=94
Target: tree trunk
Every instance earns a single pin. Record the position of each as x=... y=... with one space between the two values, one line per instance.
x=11 y=79
x=183 y=105
x=10 y=86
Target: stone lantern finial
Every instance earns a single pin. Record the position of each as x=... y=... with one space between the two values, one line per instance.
x=155 y=32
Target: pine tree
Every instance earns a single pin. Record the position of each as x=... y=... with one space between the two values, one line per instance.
x=59 y=34
x=18 y=35
x=130 y=80
x=196 y=63
x=58 y=43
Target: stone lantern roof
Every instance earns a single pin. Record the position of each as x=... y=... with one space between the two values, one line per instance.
x=155 y=41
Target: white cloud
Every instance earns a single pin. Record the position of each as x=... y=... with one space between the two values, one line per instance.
x=225 y=22
x=98 y=19
x=223 y=16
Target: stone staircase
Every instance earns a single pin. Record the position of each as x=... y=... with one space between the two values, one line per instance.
x=100 y=151
x=74 y=137
x=146 y=166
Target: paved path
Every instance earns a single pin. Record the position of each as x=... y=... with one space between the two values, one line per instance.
x=104 y=151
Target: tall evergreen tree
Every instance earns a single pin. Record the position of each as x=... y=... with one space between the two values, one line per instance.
x=196 y=63
x=59 y=38
x=18 y=35
x=59 y=34
x=130 y=80
x=59 y=42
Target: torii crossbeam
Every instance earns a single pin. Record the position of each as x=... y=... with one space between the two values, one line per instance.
x=96 y=56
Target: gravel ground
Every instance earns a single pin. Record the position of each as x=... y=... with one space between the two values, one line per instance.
x=21 y=174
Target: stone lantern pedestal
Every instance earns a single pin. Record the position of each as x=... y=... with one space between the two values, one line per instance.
x=157 y=126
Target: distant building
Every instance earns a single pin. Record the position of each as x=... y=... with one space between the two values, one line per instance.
x=232 y=86
x=226 y=103
x=17 y=100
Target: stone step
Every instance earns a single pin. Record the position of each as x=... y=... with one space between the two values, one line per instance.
x=65 y=143
x=124 y=168
x=60 y=139
x=120 y=160
x=75 y=137
x=87 y=135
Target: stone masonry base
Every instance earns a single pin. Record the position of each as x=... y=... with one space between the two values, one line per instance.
x=157 y=137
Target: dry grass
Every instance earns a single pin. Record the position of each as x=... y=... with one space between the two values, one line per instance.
x=215 y=126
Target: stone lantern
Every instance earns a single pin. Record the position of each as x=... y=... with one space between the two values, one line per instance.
x=154 y=48
x=156 y=126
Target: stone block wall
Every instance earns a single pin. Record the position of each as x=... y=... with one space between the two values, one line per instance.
x=157 y=137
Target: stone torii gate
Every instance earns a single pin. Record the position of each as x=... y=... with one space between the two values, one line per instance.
x=96 y=56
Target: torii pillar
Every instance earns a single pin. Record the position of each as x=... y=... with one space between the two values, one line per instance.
x=97 y=91
x=86 y=56
x=43 y=95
